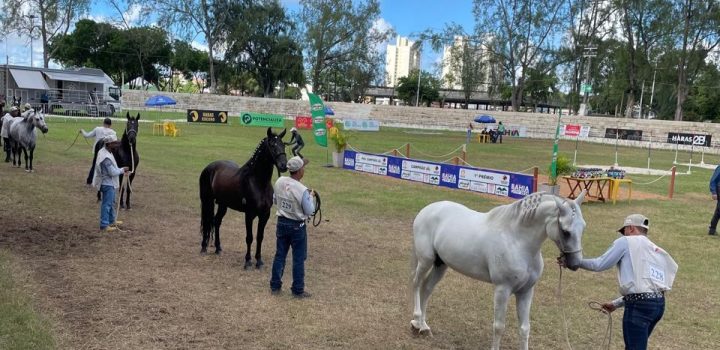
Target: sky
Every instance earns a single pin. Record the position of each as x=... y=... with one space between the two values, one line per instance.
x=406 y=17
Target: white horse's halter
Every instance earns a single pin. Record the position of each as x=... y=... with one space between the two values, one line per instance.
x=562 y=246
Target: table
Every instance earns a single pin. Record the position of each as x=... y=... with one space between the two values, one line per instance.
x=483 y=138
x=159 y=128
x=597 y=183
x=615 y=186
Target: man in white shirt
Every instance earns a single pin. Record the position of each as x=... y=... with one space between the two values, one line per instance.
x=106 y=180
x=99 y=133
x=295 y=204
x=646 y=271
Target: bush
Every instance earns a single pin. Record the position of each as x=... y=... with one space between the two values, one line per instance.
x=339 y=138
x=563 y=167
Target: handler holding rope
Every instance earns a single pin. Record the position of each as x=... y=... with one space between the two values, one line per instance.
x=106 y=179
x=99 y=133
x=646 y=271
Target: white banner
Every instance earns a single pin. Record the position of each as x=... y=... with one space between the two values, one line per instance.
x=361 y=124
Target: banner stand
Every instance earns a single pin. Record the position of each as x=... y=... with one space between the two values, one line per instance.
x=328 y=164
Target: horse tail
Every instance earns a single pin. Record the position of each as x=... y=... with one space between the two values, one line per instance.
x=207 y=203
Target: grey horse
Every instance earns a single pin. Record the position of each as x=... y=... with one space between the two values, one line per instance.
x=23 y=136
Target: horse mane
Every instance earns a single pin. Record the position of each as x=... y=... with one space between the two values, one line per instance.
x=523 y=209
x=256 y=153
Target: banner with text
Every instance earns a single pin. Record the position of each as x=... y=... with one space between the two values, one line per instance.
x=303 y=122
x=202 y=116
x=499 y=183
x=689 y=139
x=511 y=130
x=575 y=130
x=262 y=119
x=317 y=110
x=361 y=124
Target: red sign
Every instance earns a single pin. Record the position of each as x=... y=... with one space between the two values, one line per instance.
x=303 y=122
x=572 y=130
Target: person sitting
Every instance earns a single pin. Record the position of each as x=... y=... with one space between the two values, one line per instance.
x=493 y=136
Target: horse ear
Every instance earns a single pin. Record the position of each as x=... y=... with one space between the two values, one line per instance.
x=580 y=198
x=127 y=115
x=282 y=134
x=138 y=116
x=269 y=132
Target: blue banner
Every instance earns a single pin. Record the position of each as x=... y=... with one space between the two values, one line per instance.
x=496 y=182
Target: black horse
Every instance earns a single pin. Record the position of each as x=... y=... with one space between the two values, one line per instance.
x=127 y=155
x=246 y=189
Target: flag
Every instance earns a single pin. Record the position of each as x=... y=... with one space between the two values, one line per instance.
x=553 y=165
x=317 y=111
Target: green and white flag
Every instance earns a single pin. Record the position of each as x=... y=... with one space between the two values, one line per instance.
x=553 y=165
x=317 y=111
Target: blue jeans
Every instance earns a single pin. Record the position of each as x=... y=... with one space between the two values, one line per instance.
x=290 y=234
x=639 y=320
x=107 y=211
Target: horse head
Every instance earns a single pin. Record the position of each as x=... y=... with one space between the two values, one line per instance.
x=276 y=148
x=567 y=231
x=131 y=128
x=36 y=119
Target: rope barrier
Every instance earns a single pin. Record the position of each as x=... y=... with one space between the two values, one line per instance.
x=437 y=156
x=653 y=181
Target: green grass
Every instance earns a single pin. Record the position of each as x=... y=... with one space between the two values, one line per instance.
x=21 y=327
x=679 y=225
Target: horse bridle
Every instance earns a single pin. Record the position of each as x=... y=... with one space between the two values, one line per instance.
x=565 y=232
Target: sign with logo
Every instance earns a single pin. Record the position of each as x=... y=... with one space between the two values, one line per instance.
x=261 y=119
x=303 y=122
x=201 y=116
x=689 y=139
x=574 y=130
x=586 y=88
x=361 y=124
x=623 y=134
x=496 y=182
x=512 y=130
x=317 y=110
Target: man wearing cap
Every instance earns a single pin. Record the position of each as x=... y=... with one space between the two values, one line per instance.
x=99 y=133
x=5 y=130
x=714 y=182
x=646 y=271
x=106 y=179
x=295 y=204
x=296 y=140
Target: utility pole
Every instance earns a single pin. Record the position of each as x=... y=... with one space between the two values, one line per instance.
x=418 y=47
x=589 y=53
x=652 y=91
x=642 y=92
x=32 y=28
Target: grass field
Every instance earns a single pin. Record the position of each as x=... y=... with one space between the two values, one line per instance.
x=149 y=288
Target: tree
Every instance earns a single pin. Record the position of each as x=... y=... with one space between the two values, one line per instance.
x=407 y=88
x=261 y=43
x=191 y=62
x=190 y=17
x=541 y=86
x=519 y=34
x=336 y=32
x=467 y=62
x=53 y=19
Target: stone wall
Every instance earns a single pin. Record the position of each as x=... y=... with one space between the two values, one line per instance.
x=538 y=125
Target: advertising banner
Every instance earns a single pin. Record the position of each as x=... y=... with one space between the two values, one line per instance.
x=689 y=139
x=496 y=182
x=317 y=110
x=203 y=116
x=511 y=130
x=303 y=122
x=361 y=124
x=261 y=119
x=623 y=134
x=575 y=130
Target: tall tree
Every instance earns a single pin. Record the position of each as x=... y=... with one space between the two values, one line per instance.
x=467 y=65
x=190 y=17
x=261 y=43
x=52 y=18
x=699 y=35
x=407 y=88
x=521 y=33
x=337 y=32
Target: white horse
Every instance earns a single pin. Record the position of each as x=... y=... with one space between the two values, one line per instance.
x=23 y=136
x=501 y=247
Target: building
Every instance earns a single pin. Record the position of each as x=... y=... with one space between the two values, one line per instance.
x=80 y=91
x=452 y=64
x=400 y=59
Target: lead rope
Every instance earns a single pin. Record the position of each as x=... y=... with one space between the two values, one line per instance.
x=317 y=215
x=607 y=338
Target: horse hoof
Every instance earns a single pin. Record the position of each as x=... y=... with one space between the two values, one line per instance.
x=259 y=264
x=248 y=264
x=218 y=251
x=203 y=251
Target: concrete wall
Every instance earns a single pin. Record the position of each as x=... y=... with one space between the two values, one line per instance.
x=537 y=125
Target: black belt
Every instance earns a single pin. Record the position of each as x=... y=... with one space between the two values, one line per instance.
x=644 y=296
x=282 y=218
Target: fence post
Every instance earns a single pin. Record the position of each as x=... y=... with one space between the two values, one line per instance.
x=407 y=150
x=535 y=181
x=672 y=183
x=456 y=160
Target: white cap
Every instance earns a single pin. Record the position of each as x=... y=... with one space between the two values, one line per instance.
x=638 y=220
x=109 y=138
x=296 y=163
x=293 y=129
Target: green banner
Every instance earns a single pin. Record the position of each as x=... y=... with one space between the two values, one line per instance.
x=261 y=119
x=317 y=111
x=553 y=165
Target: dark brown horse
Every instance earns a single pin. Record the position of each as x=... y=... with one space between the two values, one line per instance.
x=127 y=155
x=246 y=189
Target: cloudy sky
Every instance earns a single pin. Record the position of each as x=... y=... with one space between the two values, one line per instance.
x=406 y=17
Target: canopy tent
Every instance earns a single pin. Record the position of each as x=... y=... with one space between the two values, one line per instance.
x=329 y=111
x=29 y=79
x=484 y=119
x=159 y=101
x=83 y=78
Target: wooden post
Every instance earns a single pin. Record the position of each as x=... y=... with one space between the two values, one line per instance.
x=672 y=183
x=456 y=160
x=407 y=150
x=395 y=152
x=464 y=155
x=535 y=181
